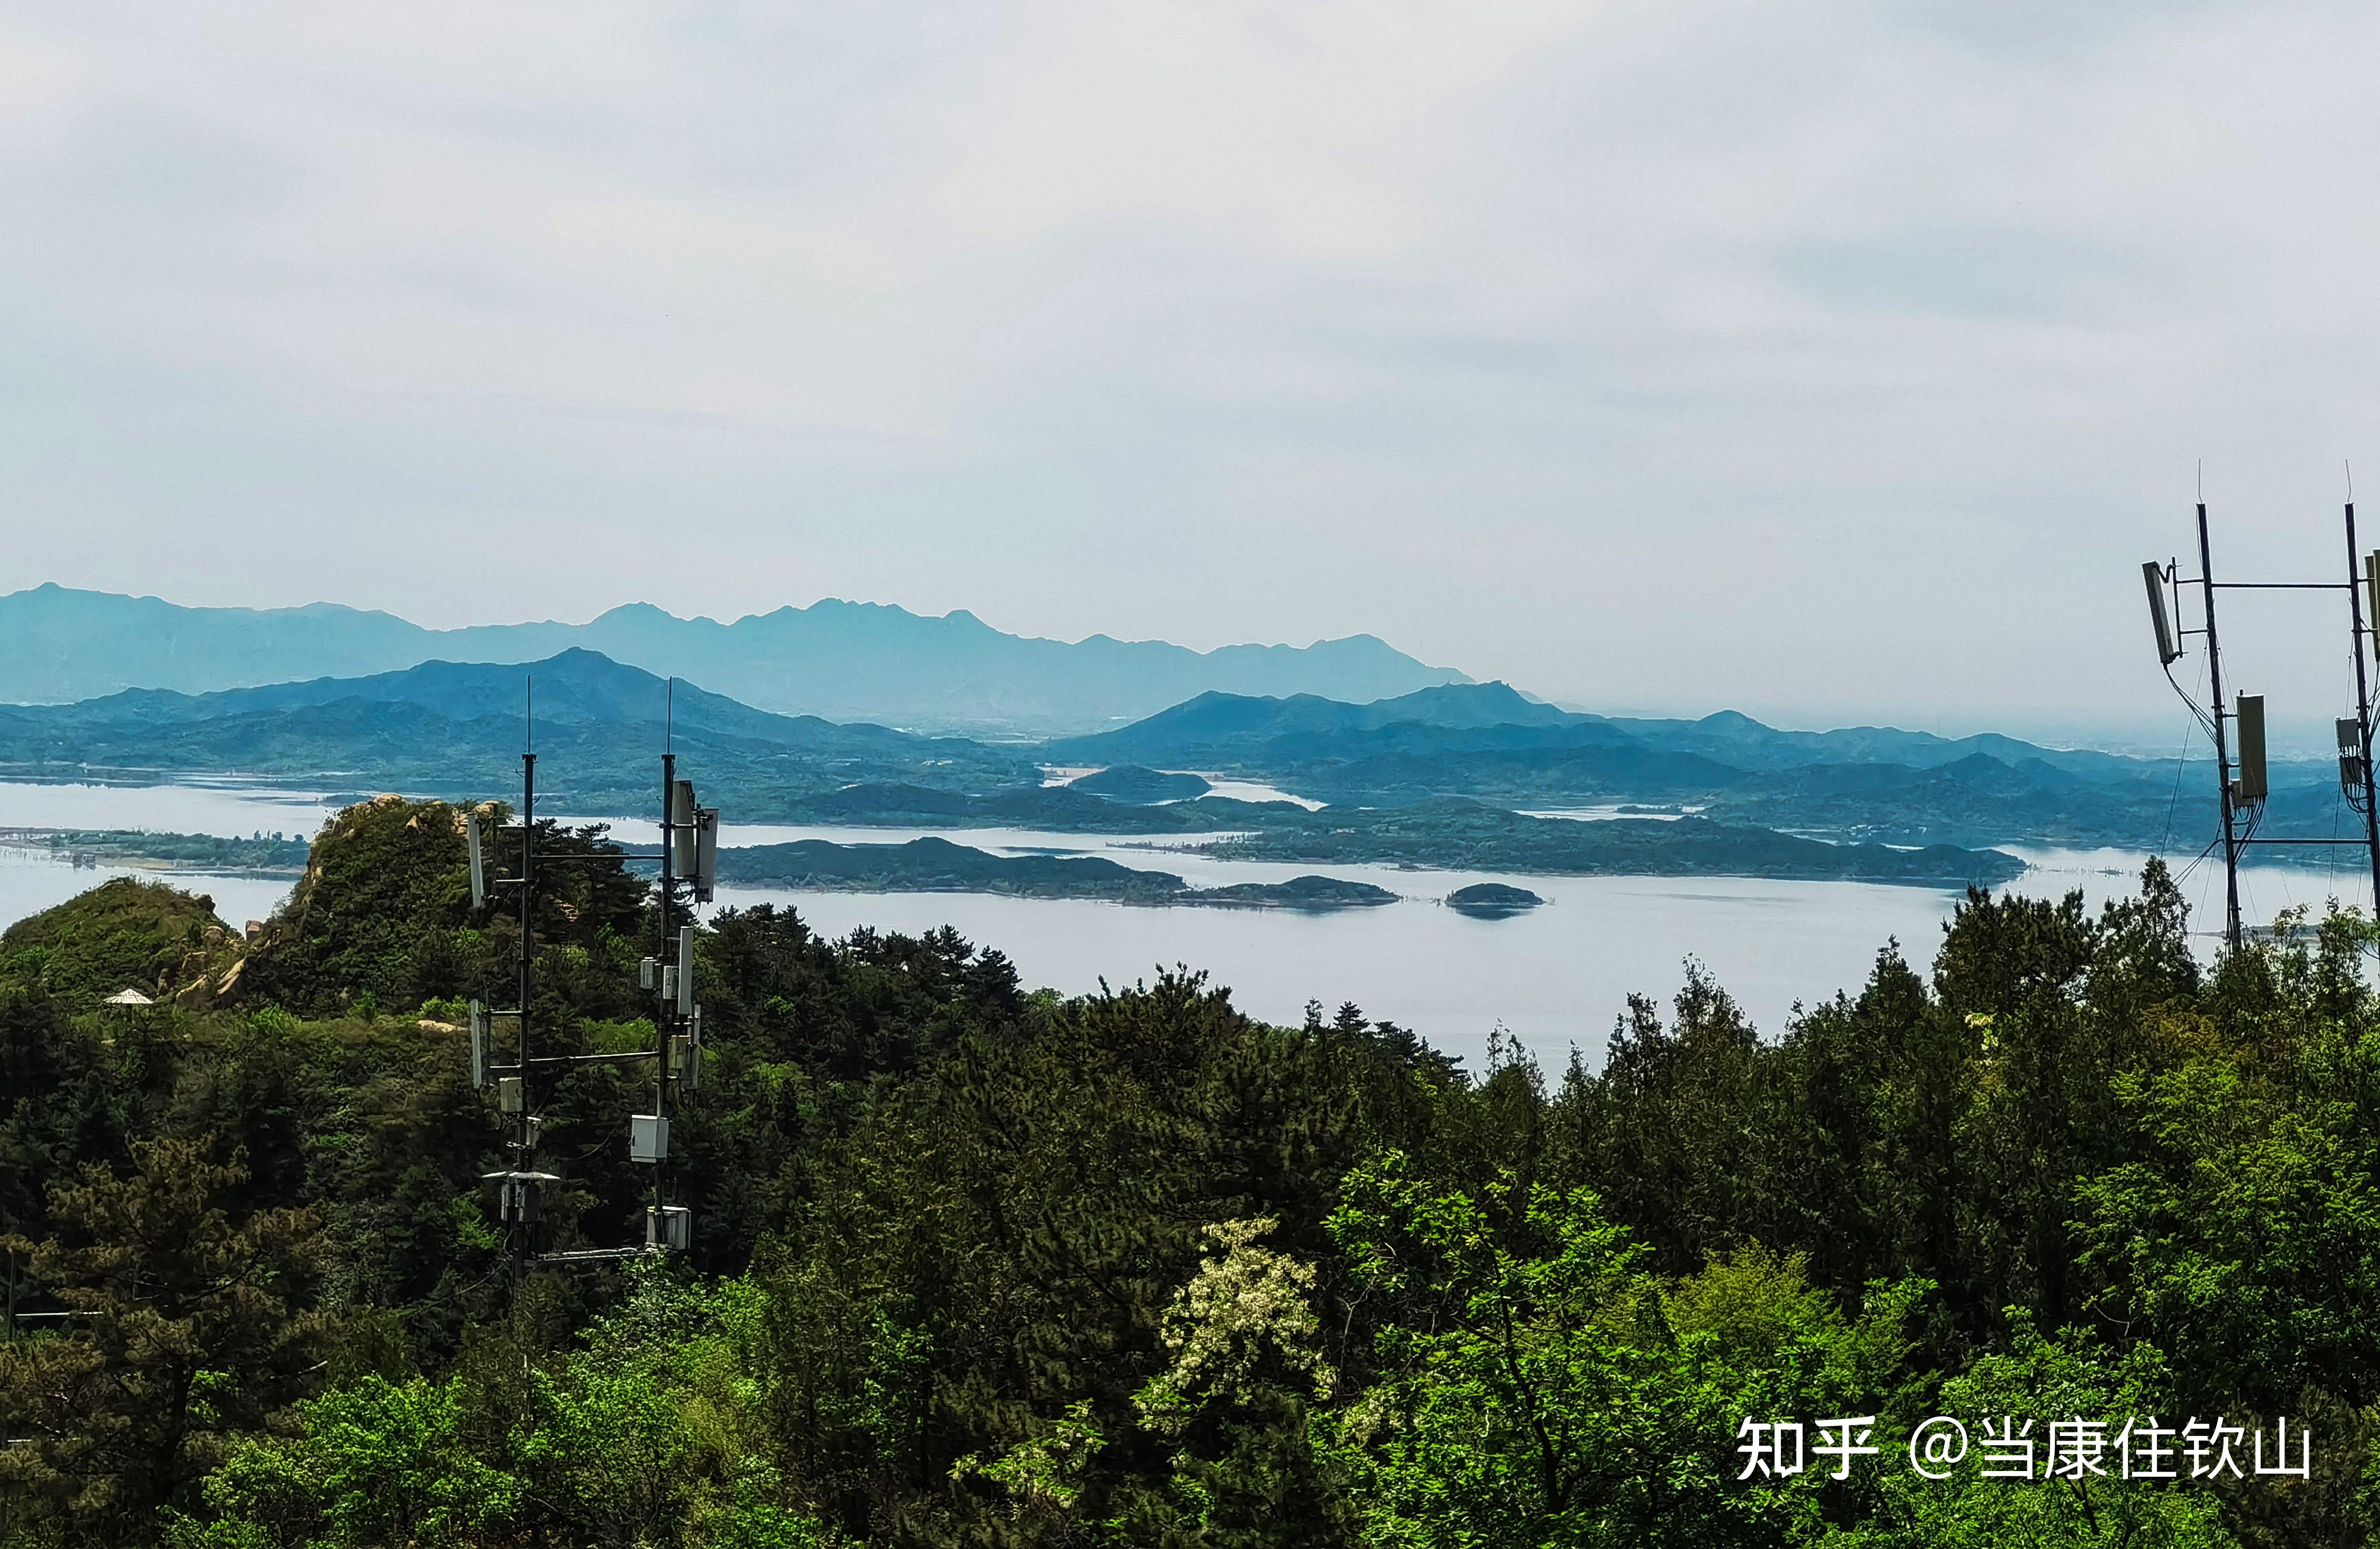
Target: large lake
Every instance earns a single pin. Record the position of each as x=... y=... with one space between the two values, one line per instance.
x=1554 y=977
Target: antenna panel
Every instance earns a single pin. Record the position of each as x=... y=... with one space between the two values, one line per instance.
x=2249 y=718
x=681 y=834
x=706 y=853
x=516 y=1203
x=669 y=1228
x=2372 y=596
x=479 y=861
x=2168 y=652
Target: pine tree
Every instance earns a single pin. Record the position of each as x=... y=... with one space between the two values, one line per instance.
x=187 y=1329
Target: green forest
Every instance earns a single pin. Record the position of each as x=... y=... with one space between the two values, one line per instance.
x=980 y=1265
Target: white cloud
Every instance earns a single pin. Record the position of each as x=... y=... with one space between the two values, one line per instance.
x=1823 y=360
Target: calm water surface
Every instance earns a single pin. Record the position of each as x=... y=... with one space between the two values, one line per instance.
x=1555 y=976
x=31 y=882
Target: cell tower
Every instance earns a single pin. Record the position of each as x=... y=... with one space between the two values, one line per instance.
x=2240 y=796
x=501 y=1046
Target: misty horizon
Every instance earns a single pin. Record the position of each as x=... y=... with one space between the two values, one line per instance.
x=2301 y=738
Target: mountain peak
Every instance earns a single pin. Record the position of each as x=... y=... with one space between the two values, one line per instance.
x=836 y=659
x=1183 y=732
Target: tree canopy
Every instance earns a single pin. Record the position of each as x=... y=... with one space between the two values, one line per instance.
x=980 y=1265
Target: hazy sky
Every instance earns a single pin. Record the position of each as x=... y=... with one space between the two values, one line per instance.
x=1827 y=361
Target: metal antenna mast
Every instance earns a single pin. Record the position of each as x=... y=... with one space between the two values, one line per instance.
x=2222 y=754
x=523 y=1124
x=688 y=863
x=2362 y=742
x=687 y=858
x=681 y=972
x=2241 y=796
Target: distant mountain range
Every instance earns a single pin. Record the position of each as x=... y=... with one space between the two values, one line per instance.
x=1489 y=744
x=1231 y=729
x=1444 y=774
x=452 y=729
x=1434 y=777
x=841 y=660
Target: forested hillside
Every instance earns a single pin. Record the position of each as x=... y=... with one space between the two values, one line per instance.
x=980 y=1265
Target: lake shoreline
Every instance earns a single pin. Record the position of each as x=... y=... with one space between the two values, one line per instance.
x=1554 y=975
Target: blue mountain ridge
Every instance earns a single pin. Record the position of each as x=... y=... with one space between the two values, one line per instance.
x=1427 y=779
x=1488 y=743
x=1227 y=725
x=841 y=660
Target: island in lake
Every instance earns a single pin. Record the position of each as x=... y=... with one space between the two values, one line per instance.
x=1142 y=786
x=1492 y=901
x=937 y=866
x=94 y=847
